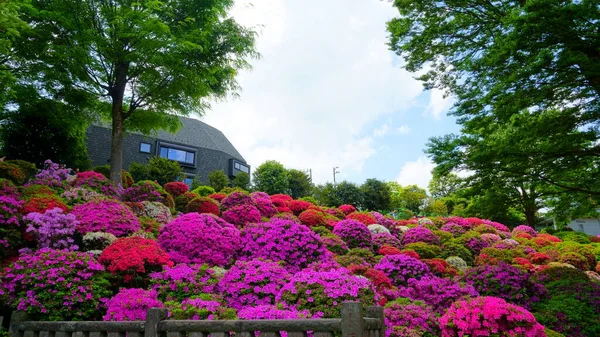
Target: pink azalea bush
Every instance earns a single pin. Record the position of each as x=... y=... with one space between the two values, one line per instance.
x=236 y=199
x=241 y=215
x=385 y=239
x=105 y=215
x=489 y=316
x=321 y=292
x=131 y=305
x=524 y=229
x=252 y=283
x=437 y=292
x=264 y=204
x=200 y=238
x=354 y=233
x=282 y=240
x=54 y=285
x=53 y=229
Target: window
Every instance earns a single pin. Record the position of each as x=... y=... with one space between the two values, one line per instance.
x=241 y=167
x=180 y=155
x=145 y=147
x=188 y=181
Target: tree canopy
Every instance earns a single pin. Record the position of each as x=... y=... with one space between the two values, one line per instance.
x=271 y=177
x=147 y=61
x=299 y=183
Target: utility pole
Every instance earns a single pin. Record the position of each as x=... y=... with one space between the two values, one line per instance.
x=335 y=171
x=309 y=172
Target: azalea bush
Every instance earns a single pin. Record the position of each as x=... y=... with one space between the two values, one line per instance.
x=132 y=259
x=54 y=284
x=199 y=308
x=282 y=240
x=401 y=268
x=322 y=292
x=105 y=215
x=202 y=205
x=486 y=316
x=242 y=215
x=354 y=233
x=52 y=229
x=252 y=283
x=200 y=238
x=406 y=318
x=439 y=293
x=183 y=281
x=420 y=234
x=131 y=305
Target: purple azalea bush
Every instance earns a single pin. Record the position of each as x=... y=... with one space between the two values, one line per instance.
x=400 y=268
x=53 y=229
x=354 y=233
x=385 y=239
x=282 y=240
x=437 y=292
x=200 y=238
x=420 y=234
x=252 y=283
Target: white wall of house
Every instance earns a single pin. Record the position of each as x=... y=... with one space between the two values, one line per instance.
x=588 y=226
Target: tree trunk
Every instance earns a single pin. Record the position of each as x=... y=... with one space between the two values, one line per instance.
x=118 y=117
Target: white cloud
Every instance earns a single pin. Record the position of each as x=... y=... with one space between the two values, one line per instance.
x=416 y=172
x=404 y=129
x=382 y=130
x=438 y=104
x=323 y=76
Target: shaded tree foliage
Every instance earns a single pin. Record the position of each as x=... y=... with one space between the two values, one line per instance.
x=376 y=194
x=271 y=177
x=300 y=184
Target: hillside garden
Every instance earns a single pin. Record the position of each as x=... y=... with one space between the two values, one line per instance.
x=74 y=247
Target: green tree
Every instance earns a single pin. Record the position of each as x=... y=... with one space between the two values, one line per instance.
x=435 y=207
x=377 y=195
x=526 y=81
x=11 y=27
x=218 y=180
x=444 y=185
x=43 y=129
x=410 y=197
x=163 y=170
x=241 y=180
x=147 y=60
x=272 y=178
x=349 y=193
x=325 y=195
x=300 y=184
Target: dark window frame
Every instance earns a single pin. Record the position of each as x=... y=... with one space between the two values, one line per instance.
x=177 y=147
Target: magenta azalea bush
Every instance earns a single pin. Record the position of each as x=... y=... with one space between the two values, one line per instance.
x=131 y=305
x=437 y=292
x=282 y=240
x=252 y=283
x=183 y=281
x=405 y=318
x=264 y=204
x=401 y=268
x=321 y=293
x=385 y=239
x=272 y=312
x=236 y=199
x=241 y=215
x=524 y=229
x=105 y=215
x=507 y=282
x=54 y=284
x=489 y=316
x=420 y=234
x=53 y=229
x=354 y=233
x=200 y=238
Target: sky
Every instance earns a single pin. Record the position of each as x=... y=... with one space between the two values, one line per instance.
x=327 y=92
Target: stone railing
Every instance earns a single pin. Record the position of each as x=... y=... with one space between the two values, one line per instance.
x=351 y=324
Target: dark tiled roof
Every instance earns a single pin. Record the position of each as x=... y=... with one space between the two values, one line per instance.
x=196 y=133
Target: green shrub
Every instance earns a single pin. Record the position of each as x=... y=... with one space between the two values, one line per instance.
x=241 y=180
x=204 y=191
x=573 y=236
x=310 y=199
x=218 y=180
x=163 y=170
x=126 y=178
x=425 y=251
x=455 y=248
x=138 y=172
x=28 y=168
x=13 y=173
x=445 y=237
x=504 y=255
x=229 y=190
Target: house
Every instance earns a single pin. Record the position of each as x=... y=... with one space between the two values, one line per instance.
x=198 y=147
x=589 y=226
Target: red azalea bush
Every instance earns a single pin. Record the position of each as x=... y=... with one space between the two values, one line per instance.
x=176 y=188
x=538 y=258
x=203 y=205
x=389 y=250
x=134 y=258
x=378 y=278
x=362 y=217
x=105 y=215
x=200 y=238
x=182 y=200
x=41 y=204
x=347 y=209
x=312 y=218
x=299 y=206
x=218 y=196
x=440 y=267
x=241 y=215
x=486 y=316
